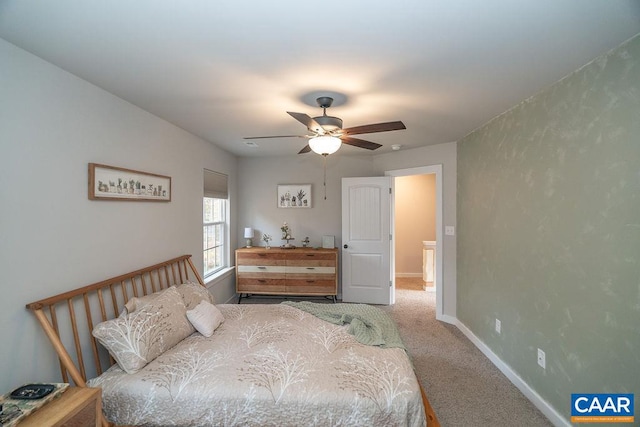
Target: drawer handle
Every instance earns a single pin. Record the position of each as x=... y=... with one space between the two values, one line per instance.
x=310 y=281
x=311 y=254
x=262 y=254
x=262 y=281
x=262 y=268
x=311 y=268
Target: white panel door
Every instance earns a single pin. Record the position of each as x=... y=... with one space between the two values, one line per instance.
x=366 y=238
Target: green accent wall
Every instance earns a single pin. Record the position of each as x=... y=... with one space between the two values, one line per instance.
x=549 y=232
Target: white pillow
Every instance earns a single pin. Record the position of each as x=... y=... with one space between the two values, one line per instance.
x=205 y=317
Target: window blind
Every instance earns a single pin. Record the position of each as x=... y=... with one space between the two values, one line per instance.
x=215 y=185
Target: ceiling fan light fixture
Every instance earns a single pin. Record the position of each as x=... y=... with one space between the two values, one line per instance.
x=325 y=144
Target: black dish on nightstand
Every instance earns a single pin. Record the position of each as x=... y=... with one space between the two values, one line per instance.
x=32 y=391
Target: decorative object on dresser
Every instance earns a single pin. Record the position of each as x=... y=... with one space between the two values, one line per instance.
x=248 y=234
x=114 y=183
x=299 y=271
x=294 y=196
x=286 y=235
x=266 y=238
x=328 y=242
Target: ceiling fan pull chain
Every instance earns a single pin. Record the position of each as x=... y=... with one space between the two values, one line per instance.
x=324 y=182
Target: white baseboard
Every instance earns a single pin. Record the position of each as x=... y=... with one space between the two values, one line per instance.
x=553 y=415
x=448 y=319
x=409 y=274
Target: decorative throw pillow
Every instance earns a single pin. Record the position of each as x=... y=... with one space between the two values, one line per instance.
x=137 y=302
x=205 y=317
x=193 y=293
x=139 y=337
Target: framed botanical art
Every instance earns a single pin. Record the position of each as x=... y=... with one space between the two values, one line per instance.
x=294 y=196
x=114 y=183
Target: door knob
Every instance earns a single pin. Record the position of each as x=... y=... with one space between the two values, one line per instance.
x=345 y=246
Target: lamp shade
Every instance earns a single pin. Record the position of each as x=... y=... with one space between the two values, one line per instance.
x=248 y=233
x=325 y=144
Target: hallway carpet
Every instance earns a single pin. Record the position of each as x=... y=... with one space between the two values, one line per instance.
x=411 y=283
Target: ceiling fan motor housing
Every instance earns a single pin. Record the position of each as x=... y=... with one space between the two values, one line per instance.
x=329 y=123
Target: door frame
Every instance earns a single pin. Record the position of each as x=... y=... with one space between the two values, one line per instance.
x=424 y=170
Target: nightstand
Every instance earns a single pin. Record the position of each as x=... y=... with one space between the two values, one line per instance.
x=76 y=407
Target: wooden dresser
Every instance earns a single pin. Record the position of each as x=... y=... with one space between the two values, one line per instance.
x=276 y=271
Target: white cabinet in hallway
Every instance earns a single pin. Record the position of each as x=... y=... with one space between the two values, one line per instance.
x=429 y=261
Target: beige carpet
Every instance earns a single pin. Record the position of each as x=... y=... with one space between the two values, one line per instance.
x=463 y=386
x=412 y=283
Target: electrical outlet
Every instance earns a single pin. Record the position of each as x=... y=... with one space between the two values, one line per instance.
x=542 y=359
x=498 y=326
x=449 y=230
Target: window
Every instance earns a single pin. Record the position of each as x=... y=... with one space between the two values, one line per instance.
x=214 y=222
x=214 y=227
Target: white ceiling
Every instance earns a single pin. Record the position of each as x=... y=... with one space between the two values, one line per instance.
x=226 y=69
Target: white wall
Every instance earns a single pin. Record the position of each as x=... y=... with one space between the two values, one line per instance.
x=53 y=239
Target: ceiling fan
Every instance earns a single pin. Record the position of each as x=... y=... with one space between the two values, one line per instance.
x=327 y=134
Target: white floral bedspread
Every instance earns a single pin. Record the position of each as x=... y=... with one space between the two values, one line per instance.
x=267 y=365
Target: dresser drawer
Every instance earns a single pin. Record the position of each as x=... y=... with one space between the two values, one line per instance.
x=312 y=262
x=312 y=255
x=303 y=270
x=260 y=285
x=262 y=269
x=311 y=286
x=260 y=258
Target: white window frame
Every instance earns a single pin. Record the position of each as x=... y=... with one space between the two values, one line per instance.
x=222 y=247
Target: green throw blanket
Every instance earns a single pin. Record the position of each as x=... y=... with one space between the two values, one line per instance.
x=368 y=324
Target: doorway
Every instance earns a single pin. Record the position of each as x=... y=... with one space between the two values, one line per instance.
x=419 y=223
x=415 y=231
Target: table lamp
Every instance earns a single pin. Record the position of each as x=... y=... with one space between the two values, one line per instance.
x=248 y=234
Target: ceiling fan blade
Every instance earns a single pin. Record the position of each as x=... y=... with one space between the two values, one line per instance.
x=377 y=127
x=275 y=136
x=306 y=149
x=357 y=142
x=311 y=124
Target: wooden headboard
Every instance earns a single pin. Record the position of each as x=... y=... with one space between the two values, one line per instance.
x=69 y=318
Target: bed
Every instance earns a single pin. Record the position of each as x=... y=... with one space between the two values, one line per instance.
x=255 y=365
